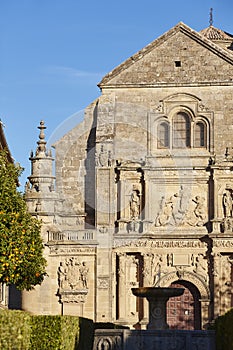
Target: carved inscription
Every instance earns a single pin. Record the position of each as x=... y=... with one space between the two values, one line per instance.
x=67 y=250
x=160 y=244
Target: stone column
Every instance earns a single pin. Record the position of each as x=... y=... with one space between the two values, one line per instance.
x=216 y=285
x=147 y=282
x=121 y=286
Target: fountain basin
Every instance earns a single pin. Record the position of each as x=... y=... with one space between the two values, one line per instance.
x=157 y=298
x=153 y=292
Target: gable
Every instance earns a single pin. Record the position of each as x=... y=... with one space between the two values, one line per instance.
x=181 y=56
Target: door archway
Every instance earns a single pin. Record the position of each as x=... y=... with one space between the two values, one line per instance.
x=184 y=312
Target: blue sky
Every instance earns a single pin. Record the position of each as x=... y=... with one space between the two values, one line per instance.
x=54 y=52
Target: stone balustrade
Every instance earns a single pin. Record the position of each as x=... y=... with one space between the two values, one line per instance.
x=81 y=235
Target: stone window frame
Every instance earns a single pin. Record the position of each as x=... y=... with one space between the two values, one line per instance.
x=163 y=130
x=181 y=130
x=191 y=141
x=164 y=111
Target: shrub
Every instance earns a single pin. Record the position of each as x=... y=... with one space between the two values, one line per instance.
x=15 y=330
x=223 y=329
x=54 y=332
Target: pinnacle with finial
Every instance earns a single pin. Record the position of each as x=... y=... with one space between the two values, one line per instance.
x=211 y=16
x=41 y=143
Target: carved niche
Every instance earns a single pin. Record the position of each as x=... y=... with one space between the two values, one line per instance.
x=227 y=203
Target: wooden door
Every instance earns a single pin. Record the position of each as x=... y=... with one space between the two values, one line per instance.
x=183 y=312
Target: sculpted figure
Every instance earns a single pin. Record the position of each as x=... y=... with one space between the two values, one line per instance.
x=173 y=210
x=83 y=270
x=103 y=157
x=156 y=268
x=166 y=210
x=227 y=204
x=197 y=217
x=134 y=205
x=62 y=276
x=201 y=266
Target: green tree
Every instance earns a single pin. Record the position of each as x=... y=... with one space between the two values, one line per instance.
x=21 y=248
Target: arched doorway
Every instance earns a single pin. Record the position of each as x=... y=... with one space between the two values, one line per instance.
x=184 y=312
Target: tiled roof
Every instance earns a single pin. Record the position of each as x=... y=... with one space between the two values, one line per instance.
x=213 y=33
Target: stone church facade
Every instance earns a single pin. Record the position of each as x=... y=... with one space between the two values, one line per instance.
x=143 y=189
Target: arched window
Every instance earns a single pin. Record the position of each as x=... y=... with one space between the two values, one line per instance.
x=181 y=130
x=199 y=134
x=163 y=135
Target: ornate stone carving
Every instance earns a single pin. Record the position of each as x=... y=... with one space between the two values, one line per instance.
x=111 y=342
x=103 y=282
x=134 y=204
x=104 y=158
x=72 y=275
x=223 y=243
x=198 y=216
x=227 y=203
x=201 y=267
x=227 y=225
x=171 y=277
x=147 y=269
x=156 y=268
x=74 y=296
x=161 y=243
x=69 y=250
x=176 y=210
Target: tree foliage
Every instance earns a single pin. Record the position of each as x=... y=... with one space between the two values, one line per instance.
x=21 y=248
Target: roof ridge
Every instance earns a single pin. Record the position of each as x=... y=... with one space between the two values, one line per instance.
x=228 y=56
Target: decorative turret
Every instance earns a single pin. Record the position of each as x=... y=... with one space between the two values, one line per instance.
x=41 y=178
x=218 y=36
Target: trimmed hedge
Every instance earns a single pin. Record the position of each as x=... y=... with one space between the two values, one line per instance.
x=21 y=331
x=15 y=330
x=224 y=333
x=54 y=332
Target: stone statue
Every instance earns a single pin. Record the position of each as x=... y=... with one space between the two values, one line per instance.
x=173 y=210
x=227 y=204
x=197 y=217
x=156 y=268
x=134 y=205
x=62 y=276
x=201 y=266
x=83 y=274
x=165 y=213
x=103 y=157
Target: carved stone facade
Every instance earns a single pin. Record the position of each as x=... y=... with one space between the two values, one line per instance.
x=143 y=189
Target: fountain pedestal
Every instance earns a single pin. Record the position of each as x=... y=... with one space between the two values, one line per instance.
x=157 y=298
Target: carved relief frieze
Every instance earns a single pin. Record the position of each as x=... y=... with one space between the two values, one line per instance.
x=183 y=274
x=223 y=243
x=75 y=296
x=179 y=210
x=159 y=243
x=69 y=250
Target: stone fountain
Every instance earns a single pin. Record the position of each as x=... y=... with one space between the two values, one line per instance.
x=157 y=335
x=157 y=298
